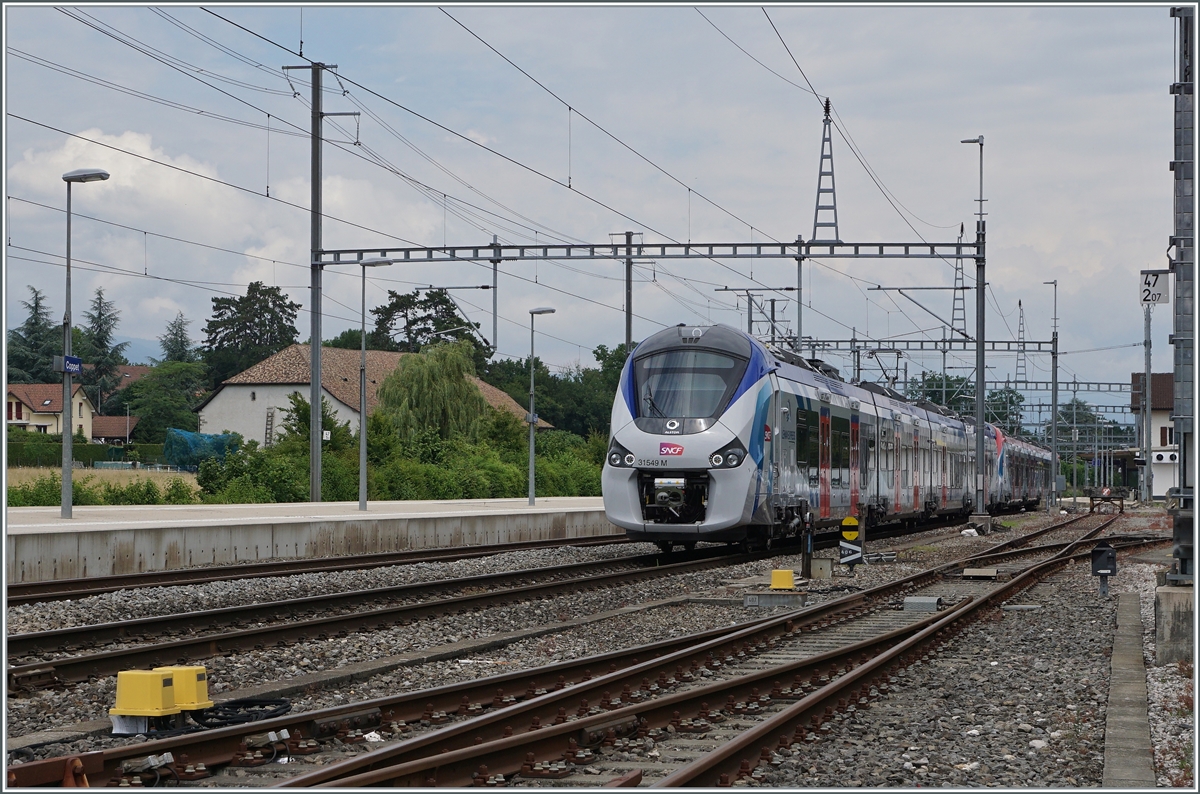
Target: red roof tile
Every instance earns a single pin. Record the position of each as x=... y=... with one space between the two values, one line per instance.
x=1162 y=394
x=112 y=426
x=42 y=398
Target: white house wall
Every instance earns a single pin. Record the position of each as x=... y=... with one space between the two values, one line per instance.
x=236 y=410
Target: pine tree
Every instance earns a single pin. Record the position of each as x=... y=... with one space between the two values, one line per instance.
x=175 y=344
x=33 y=345
x=98 y=350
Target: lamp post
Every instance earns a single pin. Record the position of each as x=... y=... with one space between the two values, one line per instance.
x=532 y=418
x=980 y=367
x=1054 y=405
x=362 y=385
x=68 y=452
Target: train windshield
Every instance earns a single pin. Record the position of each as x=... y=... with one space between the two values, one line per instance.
x=686 y=384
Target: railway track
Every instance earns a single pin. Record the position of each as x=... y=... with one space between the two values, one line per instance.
x=635 y=693
x=62 y=589
x=61 y=656
x=32 y=659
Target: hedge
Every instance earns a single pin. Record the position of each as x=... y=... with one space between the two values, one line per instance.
x=50 y=454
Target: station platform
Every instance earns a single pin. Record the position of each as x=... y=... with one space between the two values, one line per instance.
x=40 y=545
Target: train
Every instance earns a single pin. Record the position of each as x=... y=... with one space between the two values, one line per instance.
x=717 y=437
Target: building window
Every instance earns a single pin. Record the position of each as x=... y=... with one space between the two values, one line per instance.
x=81 y=412
x=1166 y=436
x=10 y=412
x=253 y=396
x=19 y=411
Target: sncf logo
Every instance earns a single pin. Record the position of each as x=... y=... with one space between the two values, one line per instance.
x=670 y=449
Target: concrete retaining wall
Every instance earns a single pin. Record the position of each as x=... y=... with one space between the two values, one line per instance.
x=92 y=549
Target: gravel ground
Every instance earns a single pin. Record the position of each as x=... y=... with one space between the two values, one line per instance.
x=157 y=601
x=924 y=723
x=1016 y=701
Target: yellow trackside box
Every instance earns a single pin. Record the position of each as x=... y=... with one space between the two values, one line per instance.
x=145 y=693
x=191 y=687
x=783 y=580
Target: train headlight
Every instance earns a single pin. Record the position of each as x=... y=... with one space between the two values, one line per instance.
x=619 y=457
x=728 y=458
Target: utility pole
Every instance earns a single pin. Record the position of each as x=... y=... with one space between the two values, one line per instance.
x=800 y=294
x=980 y=307
x=749 y=293
x=1147 y=425
x=314 y=341
x=495 y=293
x=628 y=292
x=1054 y=407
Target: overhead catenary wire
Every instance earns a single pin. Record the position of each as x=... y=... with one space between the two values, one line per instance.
x=132 y=42
x=687 y=282
x=483 y=146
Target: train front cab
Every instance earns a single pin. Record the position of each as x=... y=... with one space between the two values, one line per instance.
x=683 y=461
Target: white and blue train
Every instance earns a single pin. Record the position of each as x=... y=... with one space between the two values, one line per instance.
x=717 y=438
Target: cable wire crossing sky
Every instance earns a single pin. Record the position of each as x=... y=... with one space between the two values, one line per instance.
x=539 y=126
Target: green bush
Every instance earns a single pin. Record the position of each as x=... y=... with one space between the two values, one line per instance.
x=178 y=492
x=44 y=491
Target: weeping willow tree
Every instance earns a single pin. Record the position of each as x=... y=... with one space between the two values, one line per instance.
x=434 y=391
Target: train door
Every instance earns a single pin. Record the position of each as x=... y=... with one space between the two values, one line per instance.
x=917 y=467
x=897 y=453
x=786 y=437
x=854 y=458
x=812 y=455
x=839 y=469
x=824 y=463
x=945 y=479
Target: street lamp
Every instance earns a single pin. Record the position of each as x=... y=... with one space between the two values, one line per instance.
x=1054 y=404
x=980 y=306
x=532 y=418
x=68 y=452
x=362 y=385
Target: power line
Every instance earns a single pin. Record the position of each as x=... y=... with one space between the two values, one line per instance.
x=584 y=116
x=486 y=148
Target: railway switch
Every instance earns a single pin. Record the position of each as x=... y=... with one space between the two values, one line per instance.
x=191 y=686
x=142 y=696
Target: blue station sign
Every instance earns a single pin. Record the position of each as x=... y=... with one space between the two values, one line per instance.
x=71 y=365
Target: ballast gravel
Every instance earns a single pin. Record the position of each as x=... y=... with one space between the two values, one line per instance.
x=942 y=726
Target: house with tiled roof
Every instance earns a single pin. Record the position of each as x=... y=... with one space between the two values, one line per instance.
x=253 y=401
x=37 y=407
x=131 y=373
x=1164 y=450
x=113 y=429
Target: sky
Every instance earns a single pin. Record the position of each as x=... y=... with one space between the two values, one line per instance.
x=682 y=123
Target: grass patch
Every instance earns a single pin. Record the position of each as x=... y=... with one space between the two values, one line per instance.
x=21 y=475
x=44 y=489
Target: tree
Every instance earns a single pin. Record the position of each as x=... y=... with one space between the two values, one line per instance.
x=411 y=321
x=579 y=401
x=297 y=420
x=98 y=350
x=33 y=345
x=164 y=397
x=959 y=392
x=432 y=391
x=243 y=331
x=1003 y=408
x=175 y=343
